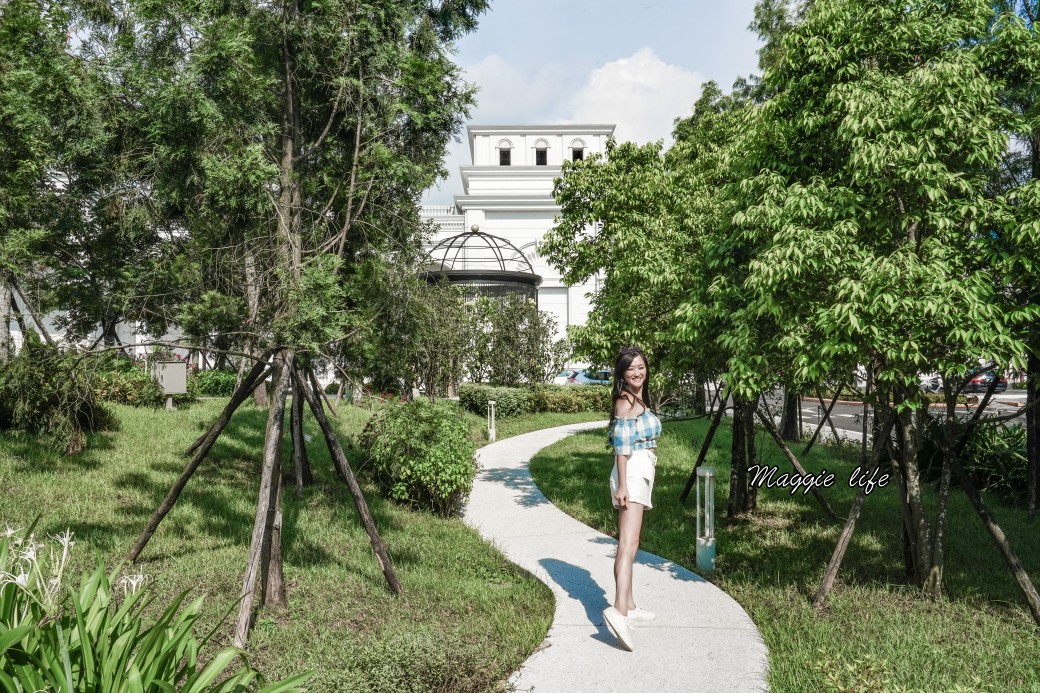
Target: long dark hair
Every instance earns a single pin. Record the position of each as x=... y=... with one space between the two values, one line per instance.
x=625 y=358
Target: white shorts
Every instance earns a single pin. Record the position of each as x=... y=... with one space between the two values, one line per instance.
x=640 y=472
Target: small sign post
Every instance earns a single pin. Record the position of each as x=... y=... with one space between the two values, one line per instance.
x=706 y=509
x=491 y=420
x=172 y=377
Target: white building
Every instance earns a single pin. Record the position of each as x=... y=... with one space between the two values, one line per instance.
x=507 y=192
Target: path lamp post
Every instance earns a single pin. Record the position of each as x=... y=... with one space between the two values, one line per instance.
x=491 y=420
x=706 y=511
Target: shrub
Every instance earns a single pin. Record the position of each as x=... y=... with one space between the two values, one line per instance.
x=48 y=393
x=215 y=383
x=129 y=381
x=57 y=638
x=556 y=398
x=133 y=387
x=509 y=401
x=420 y=454
x=994 y=458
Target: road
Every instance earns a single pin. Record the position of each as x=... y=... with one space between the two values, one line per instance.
x=849 y=416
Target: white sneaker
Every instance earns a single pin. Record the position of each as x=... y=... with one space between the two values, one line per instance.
x=640 y=615
x=618 y=625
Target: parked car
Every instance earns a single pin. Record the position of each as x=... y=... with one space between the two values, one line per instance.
x=980 y=382
x=567 y=377
x=603 y=376
x=586 y=377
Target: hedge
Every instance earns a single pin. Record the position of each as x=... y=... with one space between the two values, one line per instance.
x=542 y=397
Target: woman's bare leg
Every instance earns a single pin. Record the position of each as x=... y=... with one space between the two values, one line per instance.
x=630 y=523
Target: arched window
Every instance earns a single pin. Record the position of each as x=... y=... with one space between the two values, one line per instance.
x=505 y=151
x=577 y=150
x=541 y=153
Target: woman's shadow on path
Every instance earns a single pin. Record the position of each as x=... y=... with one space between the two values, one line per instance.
x=578 y=583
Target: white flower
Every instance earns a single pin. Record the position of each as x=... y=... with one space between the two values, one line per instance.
x=8 y=533
x=21 y=579
x=65 y=539
x=132 y=582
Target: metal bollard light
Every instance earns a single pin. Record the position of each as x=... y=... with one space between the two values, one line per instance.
x=491 y=420
x=706 y=538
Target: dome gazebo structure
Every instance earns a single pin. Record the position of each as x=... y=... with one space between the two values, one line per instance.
x=483 y=264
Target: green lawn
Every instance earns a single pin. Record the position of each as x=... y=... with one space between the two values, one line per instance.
x=468 y=617
x=878 y=634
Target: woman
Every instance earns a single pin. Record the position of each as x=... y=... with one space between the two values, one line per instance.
x=633 y=434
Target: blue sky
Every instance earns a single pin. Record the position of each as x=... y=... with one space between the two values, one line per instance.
x=636 y=64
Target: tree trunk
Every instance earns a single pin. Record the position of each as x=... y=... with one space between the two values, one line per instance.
x=738 y=476
x=831 y=573
x=1032 y=431
x=1015 y=565
x=33 y=313
x=752 y=453
x=269 y=480
x=912 y=439
x=301 y=465
x=700 y=405
x=252 y=291
x=339 y=459
x=715 y=421
x=201 y=448
x=933 y=583
x=789 y=417
x=6 y=343
x=794 y=462
x=339 y=393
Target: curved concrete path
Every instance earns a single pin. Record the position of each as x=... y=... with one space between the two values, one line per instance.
x=701 y=640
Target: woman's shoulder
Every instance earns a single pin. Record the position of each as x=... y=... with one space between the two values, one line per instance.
x=625 y=405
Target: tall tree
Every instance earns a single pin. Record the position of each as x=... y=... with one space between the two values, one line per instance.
x=874 y=213
x=1015 y=61
x=295 y=137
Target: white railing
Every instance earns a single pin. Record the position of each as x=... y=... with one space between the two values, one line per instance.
x=439 y=210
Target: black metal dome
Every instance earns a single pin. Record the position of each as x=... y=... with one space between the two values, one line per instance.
x=487 y=265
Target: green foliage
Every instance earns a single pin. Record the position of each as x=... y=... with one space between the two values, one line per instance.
x=133 y=387
x=318 y=297
x=513 y=342
x=215 y=383
x=509 y=401
x=566 y=399
x=540 y=397
x=48 y=393
x=54 y=637
x=995 y=458
x=126 y=381
x=421 y=454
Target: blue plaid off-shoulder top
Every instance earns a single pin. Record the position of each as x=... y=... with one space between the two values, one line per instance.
x=635 y=433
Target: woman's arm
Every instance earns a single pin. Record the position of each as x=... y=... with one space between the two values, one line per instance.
x=622 y=407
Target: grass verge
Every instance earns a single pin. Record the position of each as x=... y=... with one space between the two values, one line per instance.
x=468 y=617
x=878 y=633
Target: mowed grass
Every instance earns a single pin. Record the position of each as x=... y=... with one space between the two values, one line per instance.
x=467 y=618
x=878 y=633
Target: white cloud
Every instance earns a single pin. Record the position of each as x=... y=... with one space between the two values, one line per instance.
x=641 y=94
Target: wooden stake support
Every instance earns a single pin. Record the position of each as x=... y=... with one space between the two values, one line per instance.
x=347 y=474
